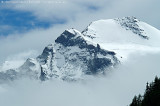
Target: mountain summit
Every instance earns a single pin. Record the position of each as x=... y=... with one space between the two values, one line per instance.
x=70 y=57
x=97 y=49
x=122 y=30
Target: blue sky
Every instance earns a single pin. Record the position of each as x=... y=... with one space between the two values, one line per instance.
x=14 y=21
x=17 y=21
x=20 y=21
x=20 y=18
x=33 y=26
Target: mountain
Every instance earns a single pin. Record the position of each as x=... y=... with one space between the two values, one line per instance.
x=97 y=49
x=124 y=36
x=122 y=30
x=69 y=58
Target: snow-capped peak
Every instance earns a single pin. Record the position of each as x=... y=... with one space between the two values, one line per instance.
x=122 y=30
x=119 y=34
x=101 y=46
x=131 y=23
x=73 y=31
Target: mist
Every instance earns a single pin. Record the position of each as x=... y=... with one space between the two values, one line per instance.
x=117 y=88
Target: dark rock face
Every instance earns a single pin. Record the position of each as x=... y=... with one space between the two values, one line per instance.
x=46 y=52
x=42 y=75
x=131 y=23
x=69 y=39
x=94 y=63
x=71 y=57
x=97 y=65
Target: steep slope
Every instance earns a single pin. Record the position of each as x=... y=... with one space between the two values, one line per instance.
x=70 y=58
x=123 y=35
x=100 y=47
x=122 y=30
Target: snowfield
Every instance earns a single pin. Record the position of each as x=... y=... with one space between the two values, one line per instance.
x=117 y=35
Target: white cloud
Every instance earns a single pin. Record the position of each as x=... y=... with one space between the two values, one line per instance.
x=77 y=15
x=32 y=40
x=3 y=28
x=78 y=10
x=117 y=89
x=15 y=61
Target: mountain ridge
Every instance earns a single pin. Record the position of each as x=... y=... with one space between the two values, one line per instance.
x=93 y=51
x=70 y=58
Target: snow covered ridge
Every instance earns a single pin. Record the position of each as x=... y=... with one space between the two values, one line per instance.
x=70 y=58
x=131 y=23
x=122 y=30
x=97 y=49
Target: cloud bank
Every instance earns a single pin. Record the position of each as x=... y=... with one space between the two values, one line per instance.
x=116 y=89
